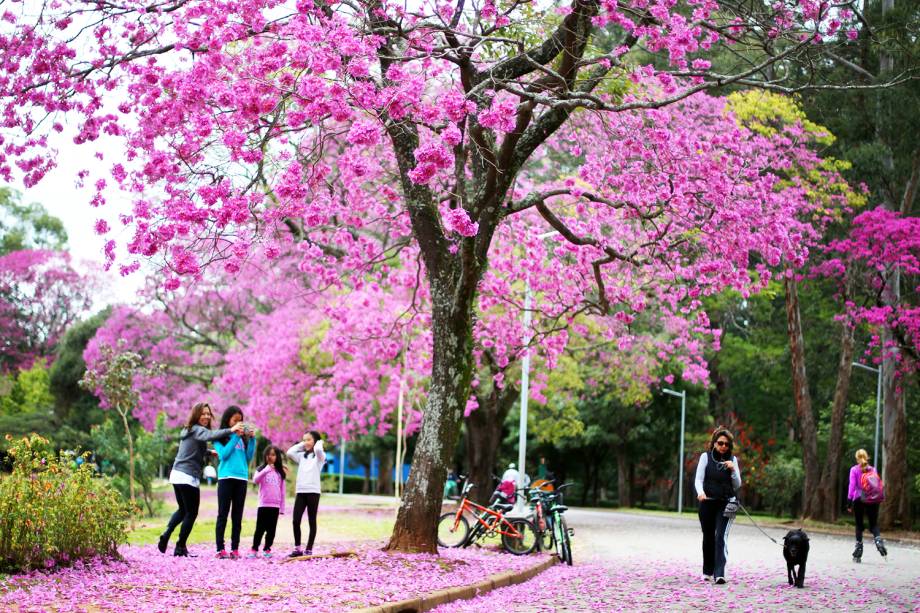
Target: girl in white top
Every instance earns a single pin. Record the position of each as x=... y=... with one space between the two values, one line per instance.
x=310 y=458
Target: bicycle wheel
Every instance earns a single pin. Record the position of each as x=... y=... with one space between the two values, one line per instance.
x=452 y=533
x=566 y=542
x=545 y=540
x=523 y=544
x=475 y=533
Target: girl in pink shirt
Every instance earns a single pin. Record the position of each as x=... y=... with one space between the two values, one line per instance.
x=270 y=478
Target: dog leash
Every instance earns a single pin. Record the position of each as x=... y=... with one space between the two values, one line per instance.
x=741 y=506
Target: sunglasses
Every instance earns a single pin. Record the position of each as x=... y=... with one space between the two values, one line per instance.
x=722 y=443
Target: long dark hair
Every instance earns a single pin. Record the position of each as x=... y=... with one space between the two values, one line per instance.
x=279 y=460
x=225 y=419
x=197 y=409
x=317 y=437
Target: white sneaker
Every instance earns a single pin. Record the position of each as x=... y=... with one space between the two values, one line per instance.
x=720 y=580
x=707 y=578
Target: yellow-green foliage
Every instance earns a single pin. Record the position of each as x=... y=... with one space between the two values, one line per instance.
x=769 y=114
x=558 y=418
x=53 y=512
x=766 y=113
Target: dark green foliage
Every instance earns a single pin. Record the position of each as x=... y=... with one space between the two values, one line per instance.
x=152 y=450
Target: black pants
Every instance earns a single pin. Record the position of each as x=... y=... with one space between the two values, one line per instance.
x=188 y=498
x=715 y=536
x=870 y=511
x=231 y=493
x=310 y=502
x=266 y=522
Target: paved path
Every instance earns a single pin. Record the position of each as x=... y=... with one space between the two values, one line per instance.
x=615 y=536
x=640 y=562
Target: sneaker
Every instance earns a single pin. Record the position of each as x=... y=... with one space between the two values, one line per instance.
x=235 y=554
x=296 y=553
x=253 y=553
x=707 y=578
x=308 y=552
x=163 y=543
x=223 y=555
x=720 y=580
x=267 y=553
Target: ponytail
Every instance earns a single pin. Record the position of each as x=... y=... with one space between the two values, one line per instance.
x=862 y=458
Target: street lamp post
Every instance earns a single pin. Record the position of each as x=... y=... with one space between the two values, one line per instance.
x=878 y=407
x=342 y=459
x=680 y=454
x=525 y=377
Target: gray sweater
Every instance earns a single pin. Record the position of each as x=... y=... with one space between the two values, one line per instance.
x=193 y=448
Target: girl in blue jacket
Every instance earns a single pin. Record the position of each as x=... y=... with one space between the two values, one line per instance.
x=234 y=451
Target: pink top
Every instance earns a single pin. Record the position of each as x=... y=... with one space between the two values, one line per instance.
x=271 y=488
x=855 y=490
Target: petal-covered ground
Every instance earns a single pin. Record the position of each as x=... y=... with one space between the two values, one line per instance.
x=149 y=581
x=672 y=586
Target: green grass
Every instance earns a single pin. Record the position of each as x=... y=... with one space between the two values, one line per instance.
x=203 y=532
x=357 y=526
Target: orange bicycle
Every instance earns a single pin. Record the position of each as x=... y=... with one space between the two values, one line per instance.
x=517 y=533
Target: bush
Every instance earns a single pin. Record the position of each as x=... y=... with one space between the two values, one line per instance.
x=782 y=482
x=53 y=513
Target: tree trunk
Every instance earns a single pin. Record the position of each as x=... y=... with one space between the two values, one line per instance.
x=124 y=420
x=807 y=426
x=452 y=325
x=483 y=436
x=623 y=493
x=385 y=478
x=895 y=510
x=828 y=504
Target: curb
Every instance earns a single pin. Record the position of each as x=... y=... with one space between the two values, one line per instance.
x=431 y=600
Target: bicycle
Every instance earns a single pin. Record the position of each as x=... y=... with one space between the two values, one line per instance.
x=517 y=534
x=542 y=522
x=556 y=533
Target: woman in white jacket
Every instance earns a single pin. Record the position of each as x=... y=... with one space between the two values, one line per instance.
x=310 y=458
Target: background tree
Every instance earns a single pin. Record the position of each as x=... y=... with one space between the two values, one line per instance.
x=41 y=295
x=27 y=226
x=111 y=379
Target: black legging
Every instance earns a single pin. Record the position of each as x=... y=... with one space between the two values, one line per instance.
x=230 y=493
x=310 y=502
x=871 y=512
x=188 y=498
x=266 y=522
x=715 y=528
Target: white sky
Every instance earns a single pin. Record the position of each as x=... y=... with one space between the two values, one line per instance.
x=58 y=193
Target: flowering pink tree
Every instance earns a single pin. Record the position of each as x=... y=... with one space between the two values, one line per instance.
x=40 y=296
x=882 y=246
x=360 y=128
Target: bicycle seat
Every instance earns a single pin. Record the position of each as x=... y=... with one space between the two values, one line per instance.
x=503 y=506
x=561 y=508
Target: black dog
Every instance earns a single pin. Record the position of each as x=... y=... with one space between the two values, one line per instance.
x=795 y=550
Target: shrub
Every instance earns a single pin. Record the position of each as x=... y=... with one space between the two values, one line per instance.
x=782 y=482
x=53 y=512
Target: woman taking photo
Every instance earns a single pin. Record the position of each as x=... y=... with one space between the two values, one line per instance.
x=235 y=452
x=185 y=475
x=718 y=478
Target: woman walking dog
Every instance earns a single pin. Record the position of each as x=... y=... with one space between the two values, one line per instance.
x=718 y=478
